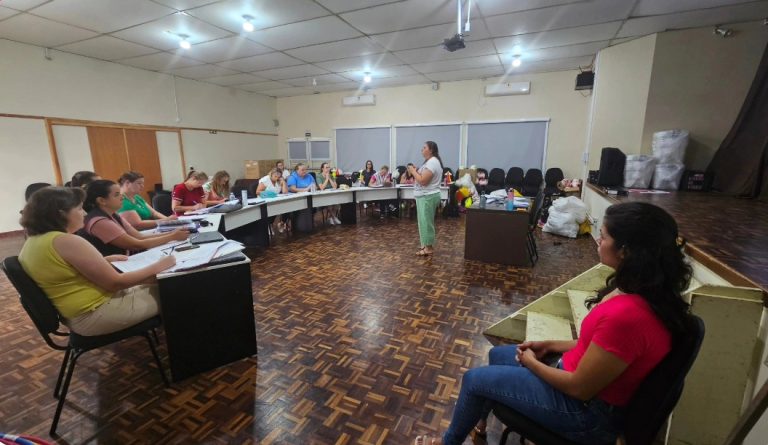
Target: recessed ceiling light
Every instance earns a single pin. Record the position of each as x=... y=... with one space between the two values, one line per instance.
x=184 y=43
x=516 y=61
x=248 y=23
x=517 y=50
x=367 y=78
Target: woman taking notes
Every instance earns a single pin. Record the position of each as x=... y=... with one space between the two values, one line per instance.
x=135 y=210
x=91 y=296
x=189 y=195
x=427 y=194
x=217 y=189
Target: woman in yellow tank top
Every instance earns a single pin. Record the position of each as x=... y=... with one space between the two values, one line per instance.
x=91 y=296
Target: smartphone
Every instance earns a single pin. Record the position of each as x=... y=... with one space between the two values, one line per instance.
x=187 y=247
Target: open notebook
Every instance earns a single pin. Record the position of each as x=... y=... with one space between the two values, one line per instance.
x=186 y=260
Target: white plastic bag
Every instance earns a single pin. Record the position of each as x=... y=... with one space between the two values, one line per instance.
x=667 y=176
x=573 y=206
x=561 y=223
x=669 y=146
x=638 y=171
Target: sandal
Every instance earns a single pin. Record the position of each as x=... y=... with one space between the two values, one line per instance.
x=478 y=436
x=423 y=252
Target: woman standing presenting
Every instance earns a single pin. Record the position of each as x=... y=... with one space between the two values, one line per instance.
x=427 y=193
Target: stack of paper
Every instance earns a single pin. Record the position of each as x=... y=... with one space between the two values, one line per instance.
x=185 y=260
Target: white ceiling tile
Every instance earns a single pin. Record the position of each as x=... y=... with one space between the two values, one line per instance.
x=560 y=37
x=184 y=4
x=262 y=86
x=160 y=62
x=163 y=33
x=26 y=28
x=286 y=92
x=457 y=64
x=472 y=73
x=325 y=79
x=428 y=36
x=561 y=52
x=656 y=7
x=266 y=13
x=395 y=81
x=337 y=50
x=350 y=5
x=102 y=15
x=23 y=5
x=364 y=63
x=228 y=48
x=234 y=79
x=541 y=66
x=566 y=16
x=291 y=72
x=107 y=48
x=7 y=12
x=381 y=73
x=496 y=7
x=261 y=62
x=310 y=32
x=202 y=71
x=346 y=86
x=478 y=48
x=403 y=15
x=728 y=14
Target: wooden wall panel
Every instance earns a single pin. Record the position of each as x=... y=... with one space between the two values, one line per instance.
x=143 y=157
x=110 y=158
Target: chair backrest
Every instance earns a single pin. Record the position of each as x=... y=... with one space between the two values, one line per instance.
x=39 y=308
x=401 y=170
x=237 y=190
x=553 y=176
x=496 y=177
x=162 y=203
x=532 y=182
x=514 y=178
x=535 y=211
x=314 y=175
x=251 y=189
x=658 y=394
x=32 y=188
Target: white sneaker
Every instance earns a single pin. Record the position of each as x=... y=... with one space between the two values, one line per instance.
x=331 y=221
x=336 y=220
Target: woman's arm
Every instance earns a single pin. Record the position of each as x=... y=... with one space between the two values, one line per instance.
x=177 y=207
x=596 y=370
x=260 y=188
x=325 y=182
x=135 y=221
x=283 y=187
x=88 y=261
x=422 y=178
x=132 y=240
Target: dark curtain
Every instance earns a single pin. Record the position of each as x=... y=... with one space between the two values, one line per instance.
x=740 y=165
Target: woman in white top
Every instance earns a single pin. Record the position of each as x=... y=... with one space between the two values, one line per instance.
x=274 y=183
x=326 y=181
x=427 y=194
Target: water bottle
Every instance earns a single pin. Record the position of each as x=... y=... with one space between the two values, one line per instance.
x=483 y=200
x=313 y=187
x=244 y=197
x=232 y=196
x=510 y=205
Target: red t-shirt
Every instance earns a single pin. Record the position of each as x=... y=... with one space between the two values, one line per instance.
x=187 y=197
x=627 y=327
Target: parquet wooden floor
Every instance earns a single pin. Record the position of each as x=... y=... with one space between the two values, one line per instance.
x=360 y=342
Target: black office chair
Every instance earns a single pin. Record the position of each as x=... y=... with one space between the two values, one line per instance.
x=551 y=178
x=532 y=182
x=533 y=221
x=495 y=180
x=162 y=202
x=47 y=321
x=251 y=187
x=514 y=179
x=648 y=410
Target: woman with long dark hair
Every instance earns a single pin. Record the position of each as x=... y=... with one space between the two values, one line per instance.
x=427 y=194
x=632 y=325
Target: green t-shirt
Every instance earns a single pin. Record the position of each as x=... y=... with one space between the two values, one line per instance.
x=139 y=206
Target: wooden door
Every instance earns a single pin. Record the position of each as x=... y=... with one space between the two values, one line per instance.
x=143 y=157
x=108 y=152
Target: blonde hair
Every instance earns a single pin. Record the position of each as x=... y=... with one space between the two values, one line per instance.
x=220 y=190
x=200 y=176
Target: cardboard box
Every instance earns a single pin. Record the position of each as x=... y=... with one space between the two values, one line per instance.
x=259 y=168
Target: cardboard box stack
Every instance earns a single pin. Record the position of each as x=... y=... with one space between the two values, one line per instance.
x=258 y=169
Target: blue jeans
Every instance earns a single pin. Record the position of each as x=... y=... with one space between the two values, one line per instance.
x=510 y=384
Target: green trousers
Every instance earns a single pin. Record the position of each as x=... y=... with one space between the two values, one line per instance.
x=425 y=212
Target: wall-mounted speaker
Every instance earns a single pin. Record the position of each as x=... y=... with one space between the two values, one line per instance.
x=585 y=80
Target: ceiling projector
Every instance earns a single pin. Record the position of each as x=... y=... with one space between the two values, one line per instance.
x=454 y=43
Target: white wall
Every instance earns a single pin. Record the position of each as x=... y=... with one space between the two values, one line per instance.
x=552 y=95
x=231 y=149
x=76 y=87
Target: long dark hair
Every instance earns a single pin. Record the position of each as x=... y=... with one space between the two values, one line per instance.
x=652 y=264
x=373 y=169
x=96 y=189
x=434 y=152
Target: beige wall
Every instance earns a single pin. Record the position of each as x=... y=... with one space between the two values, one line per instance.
x=622 y=80
x=699 y=83
x=552 y=96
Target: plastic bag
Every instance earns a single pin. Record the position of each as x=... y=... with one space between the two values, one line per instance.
x=667 y=176
x=669 y=146
x=638 y=171
x=571 y=205
x=561 y=223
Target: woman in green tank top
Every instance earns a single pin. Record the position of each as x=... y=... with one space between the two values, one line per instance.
x=145 y=217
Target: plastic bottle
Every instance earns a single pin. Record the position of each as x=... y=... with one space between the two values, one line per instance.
x=244 y=197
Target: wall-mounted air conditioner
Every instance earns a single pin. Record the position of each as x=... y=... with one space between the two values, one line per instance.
x=508 y=89
x=354 y=101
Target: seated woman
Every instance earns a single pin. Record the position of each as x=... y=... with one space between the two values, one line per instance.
x=382 y=178
x=300 y=180
x=217 y=189
x=109 y=233
x=135 y=210
x=325 y=181
x=408 y=179
x=91 y=296
x=82 y=178
x=189 y=195
x=273 y=183
x=622 y=339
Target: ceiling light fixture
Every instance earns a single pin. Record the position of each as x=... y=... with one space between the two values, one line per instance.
x=184 y=43
x=517 y=50
x=516 y=61
x=367 y=78
x=248 y=23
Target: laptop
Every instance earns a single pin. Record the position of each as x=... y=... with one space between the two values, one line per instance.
x=206 y=237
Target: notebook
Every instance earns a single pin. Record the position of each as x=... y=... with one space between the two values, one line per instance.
x=206 y=237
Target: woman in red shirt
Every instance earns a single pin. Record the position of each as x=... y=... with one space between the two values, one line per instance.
x=189 y=195
x=631 y=327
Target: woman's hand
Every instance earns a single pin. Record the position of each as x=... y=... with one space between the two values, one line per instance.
x=180 y=235
x=113 y=258
x=526 y=357
x=165 y=262
x=198 y=206
x=539 y=348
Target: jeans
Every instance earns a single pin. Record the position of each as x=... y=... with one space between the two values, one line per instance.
x=505 y=381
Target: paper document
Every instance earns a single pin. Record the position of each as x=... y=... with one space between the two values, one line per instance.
x=185 y=260
x=208 y=209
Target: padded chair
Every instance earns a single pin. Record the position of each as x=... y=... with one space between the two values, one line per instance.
x=162 y=202
x=648 y=410
x=532 y=182
x=47 y=321
x=551 y=178
x=534 y=215
x=32 y=188
x=495 y=180
x=514 y=179
x=251 y=189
